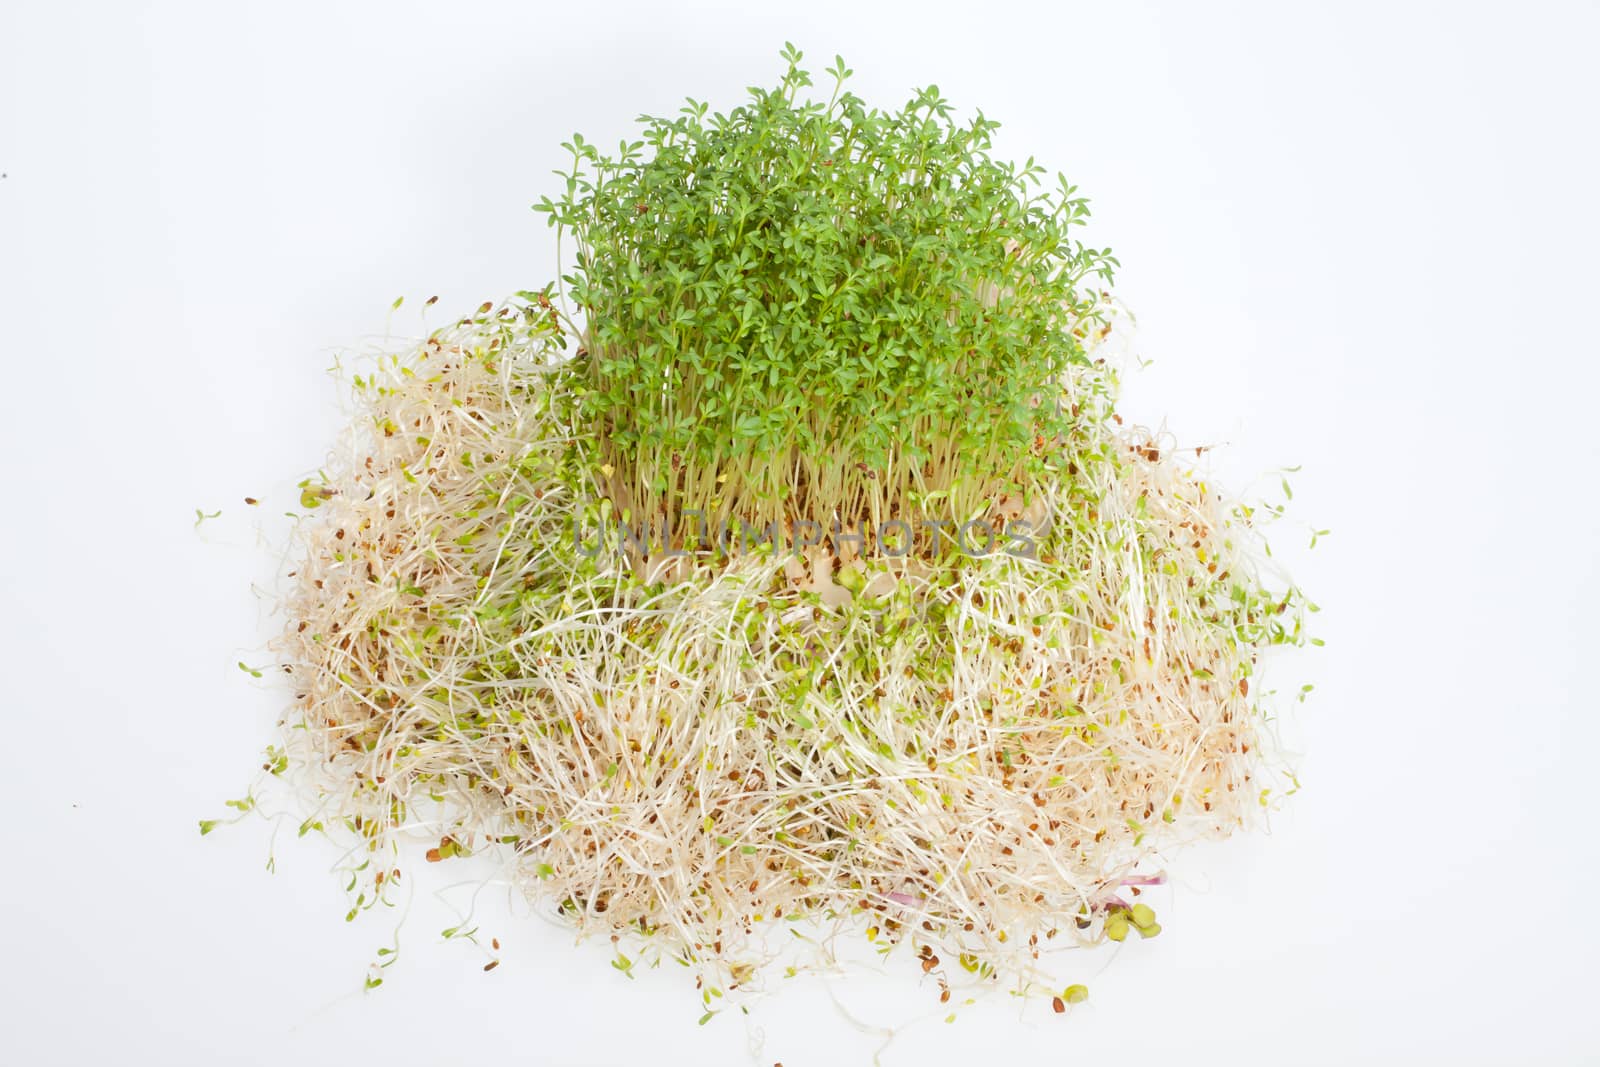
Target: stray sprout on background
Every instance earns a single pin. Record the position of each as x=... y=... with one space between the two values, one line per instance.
x=798 y=311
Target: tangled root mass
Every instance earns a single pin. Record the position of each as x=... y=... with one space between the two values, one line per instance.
x=972 y=751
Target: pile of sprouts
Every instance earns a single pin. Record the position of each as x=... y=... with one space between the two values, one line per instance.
x=787 y=563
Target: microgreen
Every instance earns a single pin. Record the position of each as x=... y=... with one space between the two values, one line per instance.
x=806 y=307
x=801 y=309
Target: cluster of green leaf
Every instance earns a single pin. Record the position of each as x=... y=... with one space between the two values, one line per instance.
x=813 y=308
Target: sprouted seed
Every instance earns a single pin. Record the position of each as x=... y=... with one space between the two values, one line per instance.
x=693 y=750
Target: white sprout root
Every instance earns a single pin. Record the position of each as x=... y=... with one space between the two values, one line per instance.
x=975 y=754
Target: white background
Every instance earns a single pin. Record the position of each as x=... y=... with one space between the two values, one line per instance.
x=1359 y=237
